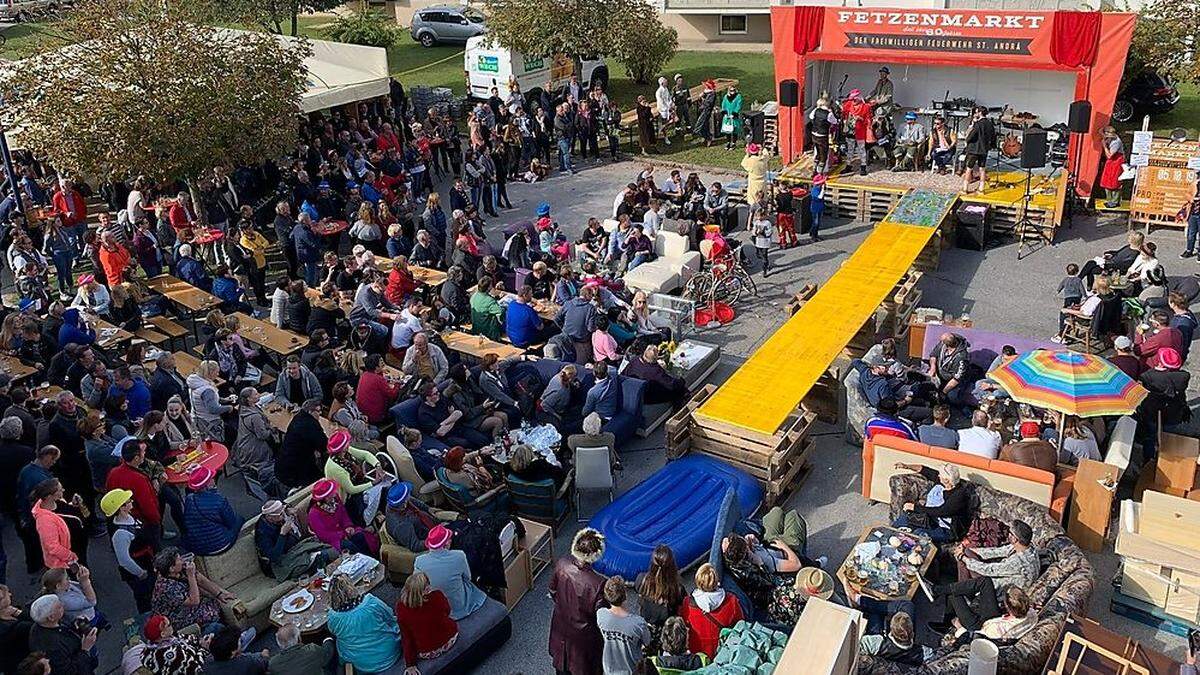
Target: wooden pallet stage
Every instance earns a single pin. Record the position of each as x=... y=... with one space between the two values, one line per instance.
x=779 y=461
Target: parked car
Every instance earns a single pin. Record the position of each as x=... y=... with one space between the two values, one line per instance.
x=443 y=24
x=1146 y=93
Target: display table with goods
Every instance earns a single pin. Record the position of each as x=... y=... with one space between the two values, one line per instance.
x=886 y=562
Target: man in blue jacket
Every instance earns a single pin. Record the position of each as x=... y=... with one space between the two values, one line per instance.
x=212 y=525
x=309 y=247
x=522 y=324
x=604 y=398
x=137 y=394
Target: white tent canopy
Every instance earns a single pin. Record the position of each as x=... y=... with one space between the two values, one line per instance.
x=340 y=73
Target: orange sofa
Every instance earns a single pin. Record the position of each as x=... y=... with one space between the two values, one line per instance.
x=880 y=456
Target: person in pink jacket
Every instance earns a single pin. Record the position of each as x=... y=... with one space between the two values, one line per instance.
x=51 y=528
x=330 y=522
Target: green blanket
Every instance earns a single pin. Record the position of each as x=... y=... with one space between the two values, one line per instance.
x=747 y=649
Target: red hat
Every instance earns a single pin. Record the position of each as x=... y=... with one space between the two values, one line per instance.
x=799 y=192
x=819 y=179
x=438 y=537
x=1030 y=429
x=324 y=488
x=710 y=83
x=1168 y=358
x=200 y=477
x=338 y=442
x=855 y=93
x=154 y=627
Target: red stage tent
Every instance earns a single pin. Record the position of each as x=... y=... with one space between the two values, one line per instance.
x=1060 y=41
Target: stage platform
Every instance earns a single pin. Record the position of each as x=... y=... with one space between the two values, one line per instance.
x=869 y=198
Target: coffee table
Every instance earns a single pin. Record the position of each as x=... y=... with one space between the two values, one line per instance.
x=897 y=578
x=313 y=620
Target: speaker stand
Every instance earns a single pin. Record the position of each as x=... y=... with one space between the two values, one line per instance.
x=1028 y=234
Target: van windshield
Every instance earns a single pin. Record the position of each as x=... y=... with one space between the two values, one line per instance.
x=473 y=15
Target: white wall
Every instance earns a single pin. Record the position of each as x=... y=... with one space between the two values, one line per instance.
x=1045 y=93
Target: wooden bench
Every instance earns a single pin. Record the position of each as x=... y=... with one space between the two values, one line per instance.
x=152 y=336
x=169 y=328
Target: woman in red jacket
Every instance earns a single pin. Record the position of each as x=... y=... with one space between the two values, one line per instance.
x=426 y=629
x=707 y=610
x=401 y=282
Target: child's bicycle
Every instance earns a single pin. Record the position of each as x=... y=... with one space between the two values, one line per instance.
x=721 y=281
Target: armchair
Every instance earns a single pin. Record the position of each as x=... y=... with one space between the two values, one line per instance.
x=461 y=499
x=398 y=560
x=539 y=500
x=401 y=460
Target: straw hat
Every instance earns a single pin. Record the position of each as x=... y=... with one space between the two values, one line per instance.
x=814 y=582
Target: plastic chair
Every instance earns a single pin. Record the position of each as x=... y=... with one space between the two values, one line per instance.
x=592 y=472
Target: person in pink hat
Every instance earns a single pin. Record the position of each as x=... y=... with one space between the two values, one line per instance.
x=1167 y=401
x=358 y=475
x=449 y=572
x=1155 y=335
x=755 y=164
x=330 y=522
x=211 y=525
x=856 y=114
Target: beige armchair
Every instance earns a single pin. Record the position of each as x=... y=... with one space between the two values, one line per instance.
x=397 y=560
x=401 y=459
x=238 y=570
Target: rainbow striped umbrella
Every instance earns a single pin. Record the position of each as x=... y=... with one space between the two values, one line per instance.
x=1084 y=385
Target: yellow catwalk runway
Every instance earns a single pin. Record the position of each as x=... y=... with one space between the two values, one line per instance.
x=768 y=387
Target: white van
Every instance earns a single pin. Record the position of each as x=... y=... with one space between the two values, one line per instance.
x=488 y=65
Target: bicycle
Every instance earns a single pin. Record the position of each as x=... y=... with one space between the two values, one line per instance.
x=723 y=280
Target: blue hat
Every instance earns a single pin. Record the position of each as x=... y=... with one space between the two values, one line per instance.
x=910 y=115
x=398 y=494
x=351 y=185
x=26 y=303
x=543 y=209
x=323 y=185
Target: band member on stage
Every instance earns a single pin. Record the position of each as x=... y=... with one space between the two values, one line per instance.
x=1114 y=160
x=981 y=138
x=942 y=142
x=883 y=95
x=821 y=121
x=856 y=114
x=910 y=142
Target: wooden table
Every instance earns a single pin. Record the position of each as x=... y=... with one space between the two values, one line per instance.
x=118 y=335
x=212 y=454
x=182 y=293
x=478 y=346
x=314 y=294
x=279 y=417
x=267 y=335
x=15 y=369
x=185 y=362
x=546 y=309
x=423 y=275
x=313 y=620
x=927 y=552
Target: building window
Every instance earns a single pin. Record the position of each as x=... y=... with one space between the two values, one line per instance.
x=733 y=24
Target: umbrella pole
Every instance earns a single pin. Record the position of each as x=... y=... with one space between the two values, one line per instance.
x=1062 y=425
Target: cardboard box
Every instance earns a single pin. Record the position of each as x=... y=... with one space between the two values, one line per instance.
x=1176 y=465
x=824 y=640
x=1133 y=543
x=518 y=575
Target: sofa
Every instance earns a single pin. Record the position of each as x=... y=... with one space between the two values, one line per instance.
x=482 y=632
x=240 y=571
x=1063 y=589
x=627 y=420
x=674 y=266
x=1044 y=488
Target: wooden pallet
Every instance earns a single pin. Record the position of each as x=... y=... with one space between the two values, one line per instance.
x=1149 y=220
x=775 y=460
x=825 y=398
x=898 y=309
x=806 y=293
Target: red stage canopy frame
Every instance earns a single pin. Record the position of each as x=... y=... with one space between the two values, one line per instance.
x=1060 y=41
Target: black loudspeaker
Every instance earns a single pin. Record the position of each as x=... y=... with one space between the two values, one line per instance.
x=1079 y=120
x=757 y=123
x=789 y=93
x=1034 y=148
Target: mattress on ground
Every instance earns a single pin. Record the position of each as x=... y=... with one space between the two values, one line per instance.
x=676 y=506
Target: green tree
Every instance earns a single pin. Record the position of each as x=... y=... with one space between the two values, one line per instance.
x=150 y=88
x=628 y=30
x=1166 y=38
x=273 y=15
x=366 y=28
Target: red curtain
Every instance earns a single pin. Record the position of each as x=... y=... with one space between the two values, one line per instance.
x=1076 y=39
x=810 y=21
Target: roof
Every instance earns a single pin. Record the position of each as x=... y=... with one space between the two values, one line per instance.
x=341 y=73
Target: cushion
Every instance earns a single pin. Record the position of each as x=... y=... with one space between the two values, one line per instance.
x=671 y=245
x=655 y=277
x=479 y=634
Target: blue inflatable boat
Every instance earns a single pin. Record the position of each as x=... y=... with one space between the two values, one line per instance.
x=676 y=506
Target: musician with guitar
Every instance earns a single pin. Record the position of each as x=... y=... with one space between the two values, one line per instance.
x=981 y=138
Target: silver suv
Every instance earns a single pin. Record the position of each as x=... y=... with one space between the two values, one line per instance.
x=446 y=24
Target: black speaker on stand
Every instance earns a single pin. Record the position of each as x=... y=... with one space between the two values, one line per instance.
x=1034 y=148
x=789 y=97
x=1079 y=121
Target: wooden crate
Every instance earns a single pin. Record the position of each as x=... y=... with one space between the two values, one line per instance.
x=876 y=204
x=775 y=460
x=806 y=293
x=843 y=201
x=825 y=398
x=897 y=309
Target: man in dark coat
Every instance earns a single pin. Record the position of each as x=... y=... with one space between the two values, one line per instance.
x=661 y=386
x=166 y=382
x=577 y=590
x=73 y=468
x=302 y=454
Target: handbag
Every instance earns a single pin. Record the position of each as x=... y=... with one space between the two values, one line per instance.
x=727 y=124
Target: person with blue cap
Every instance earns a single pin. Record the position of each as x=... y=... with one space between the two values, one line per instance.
x=543 y=210
x=910 y=143
x=407 y=520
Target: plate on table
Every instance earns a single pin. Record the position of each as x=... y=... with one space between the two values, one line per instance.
x=298 y=602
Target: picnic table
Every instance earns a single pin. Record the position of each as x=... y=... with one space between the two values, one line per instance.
x=478 y=346
x=267 y=335
x=211 y=454
x=182 y=293
x=424 y=275
x=280 y=415
x=15 y=369
x=108 y=335
x=185 y=362
x=344 y=303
